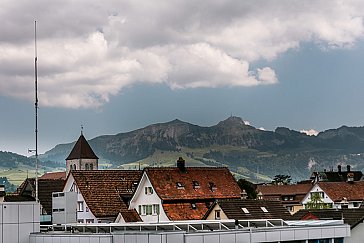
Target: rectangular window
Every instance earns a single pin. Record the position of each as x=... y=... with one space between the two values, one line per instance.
x=80 y=221
x=80 y=206
x=149 y=209
x=148 y=190
x=144 y=209
x=217 y=214
x=140 y=209
x=89 y=221
x=156 y=209
x=317 y=195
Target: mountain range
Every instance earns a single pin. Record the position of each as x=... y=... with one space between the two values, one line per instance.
x=249 y=152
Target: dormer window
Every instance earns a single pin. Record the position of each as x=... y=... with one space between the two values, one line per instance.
x=212 y=186
x=195 y=184
x=179 y=185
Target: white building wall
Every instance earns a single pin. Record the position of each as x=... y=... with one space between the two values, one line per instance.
x=316 y=188
x=140 y=198
x=357 y=234
x=18 y=220
x=64 y=207
x=84 y=216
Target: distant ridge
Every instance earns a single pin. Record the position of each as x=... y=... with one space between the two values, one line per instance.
x=248 y=151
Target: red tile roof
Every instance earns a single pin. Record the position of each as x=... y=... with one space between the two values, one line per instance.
x=82 y=150
x=106 y=191
x=185 y=211
x=54 y=175
x=170 y=183
x=277 y=192
x=338 y=190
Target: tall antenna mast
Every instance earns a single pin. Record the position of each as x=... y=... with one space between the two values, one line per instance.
x=36 y=109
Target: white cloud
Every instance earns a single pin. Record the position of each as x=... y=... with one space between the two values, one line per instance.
x=310 y=132
x=91 y=50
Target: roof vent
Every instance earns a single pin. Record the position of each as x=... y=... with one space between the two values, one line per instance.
x=181 y=164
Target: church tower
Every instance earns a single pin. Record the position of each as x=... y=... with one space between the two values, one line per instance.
x=82 y=157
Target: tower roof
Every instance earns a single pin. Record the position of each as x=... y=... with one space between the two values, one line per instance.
x=82 y=150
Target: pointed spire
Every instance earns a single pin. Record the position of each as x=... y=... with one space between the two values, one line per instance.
x=82 y=150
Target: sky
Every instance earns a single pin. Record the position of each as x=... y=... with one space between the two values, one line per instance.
x=116 y=66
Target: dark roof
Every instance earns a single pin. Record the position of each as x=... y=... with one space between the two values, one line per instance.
x=18 y=198
x=336 y=176
x=233 y=209
x=45 y=189
x=193 y=183
x=338 y=190
x=82 y=150
x=351 y=216
x=106 y=191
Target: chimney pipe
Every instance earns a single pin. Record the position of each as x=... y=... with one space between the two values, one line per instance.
x=348 y=167
x=339 y=168
x=243 y=195
x=2 y=193
x=181 y=164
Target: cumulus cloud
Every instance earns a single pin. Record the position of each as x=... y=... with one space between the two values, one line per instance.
x=90 y=50
x=310 y=132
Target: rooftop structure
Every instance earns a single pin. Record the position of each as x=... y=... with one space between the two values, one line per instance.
x=243 y=231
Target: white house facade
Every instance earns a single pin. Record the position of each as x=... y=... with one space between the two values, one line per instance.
x=335 y=195
x=316 y=193
x=84 y=215
x=147 y=203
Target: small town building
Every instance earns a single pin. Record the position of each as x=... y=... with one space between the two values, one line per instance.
x=46 y=186
x=181 y=193
x=335 y=195
x=103 y=195
x=245 y=209
x=81 y=157
x=337 y=176
x=289 y=195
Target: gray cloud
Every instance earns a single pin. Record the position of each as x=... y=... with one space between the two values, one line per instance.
x=91 y=50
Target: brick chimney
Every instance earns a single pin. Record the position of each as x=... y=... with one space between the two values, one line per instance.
x=181 y=164
x=348 y=167
x=339 y=168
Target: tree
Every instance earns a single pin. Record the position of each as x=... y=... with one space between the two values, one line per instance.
x=282 y=179
x=316 y=202
x=248 y=187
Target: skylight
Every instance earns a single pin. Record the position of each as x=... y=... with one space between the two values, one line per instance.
x=245 y=210
x=264 y=209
